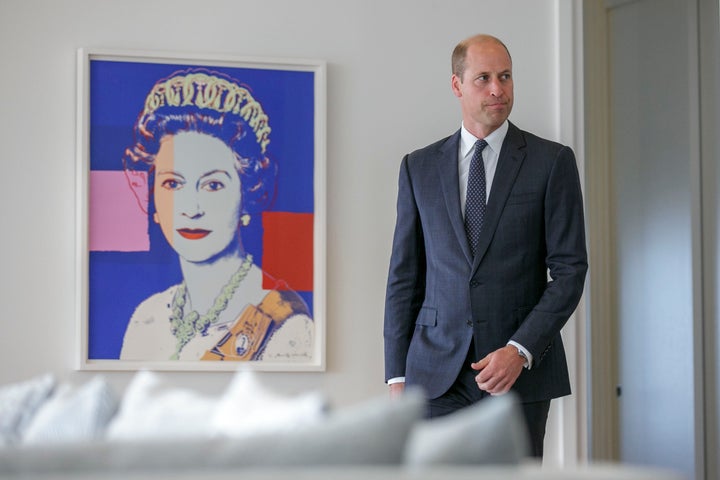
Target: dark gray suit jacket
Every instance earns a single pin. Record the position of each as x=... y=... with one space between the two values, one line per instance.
x=439 y=297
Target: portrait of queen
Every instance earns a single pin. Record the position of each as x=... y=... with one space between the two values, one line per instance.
x=199 y=163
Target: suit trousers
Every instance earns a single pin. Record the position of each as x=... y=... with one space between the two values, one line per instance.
x=465 y=392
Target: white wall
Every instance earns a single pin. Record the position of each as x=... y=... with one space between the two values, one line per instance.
x=388 y=93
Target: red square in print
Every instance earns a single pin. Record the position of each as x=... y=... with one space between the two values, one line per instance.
x=288 y=250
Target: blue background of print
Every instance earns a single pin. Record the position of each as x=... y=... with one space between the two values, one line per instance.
x=119 y=281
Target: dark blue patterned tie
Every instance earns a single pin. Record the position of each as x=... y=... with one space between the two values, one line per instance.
x=475 y=199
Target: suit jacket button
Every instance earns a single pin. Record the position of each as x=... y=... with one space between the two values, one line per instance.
x=474 y=283
x=469 y=323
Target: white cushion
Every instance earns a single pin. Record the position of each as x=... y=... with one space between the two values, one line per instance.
x=491 y=431
x=18 y=404
x=74 y=414
x=152 y=409
x=247 y=408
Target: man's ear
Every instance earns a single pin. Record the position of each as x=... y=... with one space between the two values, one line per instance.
x=455 y=85
x=138 y=183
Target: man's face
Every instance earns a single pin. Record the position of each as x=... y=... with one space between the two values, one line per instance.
x=486 y=89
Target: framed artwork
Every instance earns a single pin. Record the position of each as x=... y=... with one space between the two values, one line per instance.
x=200 y=212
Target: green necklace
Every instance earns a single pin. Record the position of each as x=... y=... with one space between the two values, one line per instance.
x=185 y=327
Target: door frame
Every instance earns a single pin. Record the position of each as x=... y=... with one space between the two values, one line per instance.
x=602 y=341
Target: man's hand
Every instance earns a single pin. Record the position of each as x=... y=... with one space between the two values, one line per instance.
x=397 y=389
x=499 y=370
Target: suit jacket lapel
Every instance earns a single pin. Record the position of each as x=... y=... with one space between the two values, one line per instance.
x=511 y=158
x=450 y=181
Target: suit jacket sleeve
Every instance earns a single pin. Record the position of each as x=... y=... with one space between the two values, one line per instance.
x=566 y=257
x=406 y=278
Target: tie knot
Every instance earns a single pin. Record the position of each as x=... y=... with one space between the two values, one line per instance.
x=480 y=146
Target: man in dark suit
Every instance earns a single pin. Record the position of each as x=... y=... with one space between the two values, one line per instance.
x=488 y=263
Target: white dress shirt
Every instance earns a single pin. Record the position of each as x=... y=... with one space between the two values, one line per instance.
x=490 y=155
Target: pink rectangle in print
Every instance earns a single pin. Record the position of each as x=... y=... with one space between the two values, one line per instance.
x=117 y=220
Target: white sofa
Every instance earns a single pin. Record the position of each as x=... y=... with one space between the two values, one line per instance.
x=156 y=431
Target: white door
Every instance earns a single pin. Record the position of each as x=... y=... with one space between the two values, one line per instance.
x=653 y=127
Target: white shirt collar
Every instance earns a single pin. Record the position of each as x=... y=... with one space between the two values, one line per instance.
x=494 y=140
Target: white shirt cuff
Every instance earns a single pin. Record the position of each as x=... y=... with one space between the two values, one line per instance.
x=396 y=380
x=524 y=350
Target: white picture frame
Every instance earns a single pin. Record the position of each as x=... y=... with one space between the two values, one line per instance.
x=118 y=267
